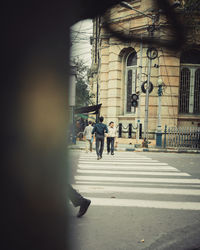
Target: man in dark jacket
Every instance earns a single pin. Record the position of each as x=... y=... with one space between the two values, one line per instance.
x=100 y=129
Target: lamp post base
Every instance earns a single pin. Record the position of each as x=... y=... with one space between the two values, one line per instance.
x=158 y=139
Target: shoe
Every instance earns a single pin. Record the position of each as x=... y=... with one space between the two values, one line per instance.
x=83 y=207
x=98 y=157
x=112 y=153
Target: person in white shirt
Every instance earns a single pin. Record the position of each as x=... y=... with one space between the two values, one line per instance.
x=88 y=136
x=112 y=134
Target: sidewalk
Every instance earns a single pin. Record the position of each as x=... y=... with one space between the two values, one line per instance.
x=131 y=145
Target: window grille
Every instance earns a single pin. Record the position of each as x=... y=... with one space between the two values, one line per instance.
x=129 y=91
x=197 y=92
x=131 y=68
x=184 y=91
x=189 y=92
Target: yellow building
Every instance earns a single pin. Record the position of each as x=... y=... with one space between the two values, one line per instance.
x=120 y=68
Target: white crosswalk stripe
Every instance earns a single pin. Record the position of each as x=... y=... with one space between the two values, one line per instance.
x=154 y=168
x=118 y=180
x=126 y=163
x=145 y=203
x=130 y=172
x=110 y=189
x=126 y=184
x=134 y=179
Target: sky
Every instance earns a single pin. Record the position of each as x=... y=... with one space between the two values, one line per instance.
x=80 y=38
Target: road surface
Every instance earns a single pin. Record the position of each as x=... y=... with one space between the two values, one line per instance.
x=139 y=201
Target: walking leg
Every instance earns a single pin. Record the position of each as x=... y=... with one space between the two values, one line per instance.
x=112 y=145
x=78 y=200
x=90 y=145
x=102 y=146
x=74 y=196
x=86 y=146
x=97 y=146
x=108 y=145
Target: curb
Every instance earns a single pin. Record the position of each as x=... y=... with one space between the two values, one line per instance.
x=158 y=150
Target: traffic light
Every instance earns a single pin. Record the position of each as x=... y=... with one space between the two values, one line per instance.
x=134 y=100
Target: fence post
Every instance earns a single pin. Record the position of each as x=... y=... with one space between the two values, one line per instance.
x=120 y=130
x=130 y=130
x=140 y=131
x=169 y=139
x=165 y=134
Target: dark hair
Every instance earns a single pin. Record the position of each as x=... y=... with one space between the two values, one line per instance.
x=90 y=122
x=101 y=118
x=111 y=123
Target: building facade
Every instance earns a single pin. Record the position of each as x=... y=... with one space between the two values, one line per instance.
x=121 y=68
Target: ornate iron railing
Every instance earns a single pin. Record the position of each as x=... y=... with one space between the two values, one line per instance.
x=183 y=137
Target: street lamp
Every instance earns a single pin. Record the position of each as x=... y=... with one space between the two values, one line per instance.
x=159 y=126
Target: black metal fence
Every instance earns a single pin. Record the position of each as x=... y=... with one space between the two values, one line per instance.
x=129 y=129
x=183 y=137
x=172 y=137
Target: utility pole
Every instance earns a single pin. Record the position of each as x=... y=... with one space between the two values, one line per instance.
x=151 y=51
x=147 y=101
x=72 y=100
x=151 y=56
x=139 y=100
x=97 y=63
x=160 y=85
x=159 y=125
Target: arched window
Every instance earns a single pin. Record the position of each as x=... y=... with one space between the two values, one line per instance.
x=131 y=73
x=189 y=97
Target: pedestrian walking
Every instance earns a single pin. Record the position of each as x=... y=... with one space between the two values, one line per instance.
x=112 y=134
x=100 y=129
x=78 y=201
x=88 y=137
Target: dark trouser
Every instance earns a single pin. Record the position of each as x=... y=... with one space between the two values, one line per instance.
x=74 y=196
x=99 y=144
x=110 y=142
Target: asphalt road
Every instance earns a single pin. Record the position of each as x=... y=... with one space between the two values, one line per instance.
x=139 y=201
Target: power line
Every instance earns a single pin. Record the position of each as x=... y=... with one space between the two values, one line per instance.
x=81 y=32
x=83 y=29
x=79 y=54
x=79 y=29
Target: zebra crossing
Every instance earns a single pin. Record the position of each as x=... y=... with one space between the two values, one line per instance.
x=129 y=179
